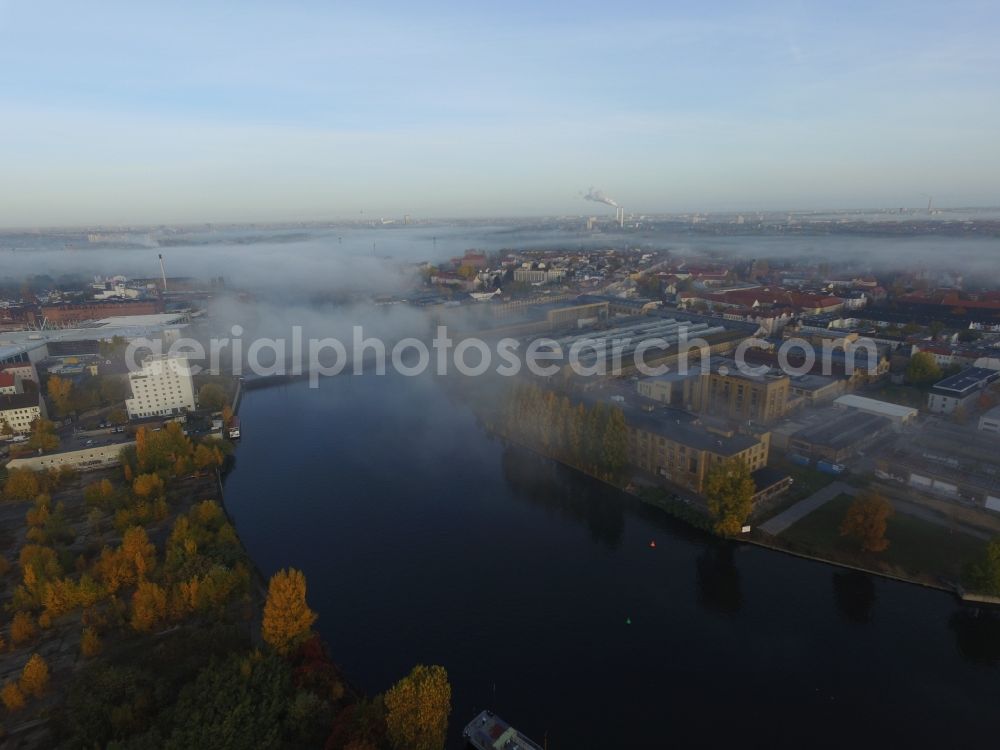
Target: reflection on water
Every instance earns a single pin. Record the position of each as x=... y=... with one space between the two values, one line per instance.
x=977 y=635
x=719 y=588
x=854 y=593
x=424 y=541
x=573 y=496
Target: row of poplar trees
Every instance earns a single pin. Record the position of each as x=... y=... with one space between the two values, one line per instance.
x=594 y=438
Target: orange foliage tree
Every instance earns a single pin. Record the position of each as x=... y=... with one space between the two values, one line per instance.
x=287 y=617
x=867 y=520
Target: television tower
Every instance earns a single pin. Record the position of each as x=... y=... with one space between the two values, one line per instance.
x=163 y=273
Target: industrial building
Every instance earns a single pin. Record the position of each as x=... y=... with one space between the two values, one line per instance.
x=897 y=413
x=950 y=461
x=816 y=390
x=990 y=421
x=678 y=389
x=727 y=391
x=672 y=445
x=838 y=438
x=960 y=391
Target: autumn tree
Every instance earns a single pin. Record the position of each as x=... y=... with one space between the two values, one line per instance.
x=148 y=486
x=866 y=521
x=60 y=391
x=417 y=709
x=206 y=458
x=729 y=489
x=35 y=676
x=21 y=484
x=43 y=436
x=149 y=606
x=22 y=628
x=138 y=551
x=923 y=369
x=99 y=494
x=287 y=617
x=90 y=643
x=12 y=697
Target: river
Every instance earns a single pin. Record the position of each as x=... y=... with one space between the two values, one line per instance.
x=425 y=541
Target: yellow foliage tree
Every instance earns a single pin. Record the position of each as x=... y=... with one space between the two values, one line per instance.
x=35 y=676
x=417 y=709
x=12 y=697
x=138 y=551
x=149 y=606
x=90 y=643
x=22 y=628
x=146 y=486
x=287 y=617
x=61 y=393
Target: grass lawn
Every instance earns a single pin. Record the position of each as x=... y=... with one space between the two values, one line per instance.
x=807 y=481
x=916 y=546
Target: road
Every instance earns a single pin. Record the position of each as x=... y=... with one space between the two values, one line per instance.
x=800 y=510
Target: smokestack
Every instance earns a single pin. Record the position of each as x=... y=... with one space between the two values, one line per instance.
x=163 y=273
x=621 y=217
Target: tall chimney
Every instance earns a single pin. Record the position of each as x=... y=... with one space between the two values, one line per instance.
x=163 y=273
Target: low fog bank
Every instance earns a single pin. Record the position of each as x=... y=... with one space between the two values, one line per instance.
x=292 y=264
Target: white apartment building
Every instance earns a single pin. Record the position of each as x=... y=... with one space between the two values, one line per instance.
x=162 y=387
x=19 y=410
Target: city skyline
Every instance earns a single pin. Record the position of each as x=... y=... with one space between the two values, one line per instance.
x=129 y=115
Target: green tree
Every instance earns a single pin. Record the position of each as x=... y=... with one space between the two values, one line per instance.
x=729 y=489
x=615 y=447
x=417 y=709
x=923 y=369
x=211 y=396
x=287 y=617
x=113 y=389
x=233 y=704
x=867 y=520
x=983 y=575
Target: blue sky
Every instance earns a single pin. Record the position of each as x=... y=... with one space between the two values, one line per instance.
x=128 y=113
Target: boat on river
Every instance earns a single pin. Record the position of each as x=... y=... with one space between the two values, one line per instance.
x=489 y=732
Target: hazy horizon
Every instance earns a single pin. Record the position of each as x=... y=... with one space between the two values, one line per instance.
x=123 y=114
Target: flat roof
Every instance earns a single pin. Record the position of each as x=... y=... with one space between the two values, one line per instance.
x=967 y=380
x=812 y=382
x=843 y=431
x=872 y=404
x=673 y=427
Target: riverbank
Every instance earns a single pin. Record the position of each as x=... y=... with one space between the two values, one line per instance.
x=696 y=514
x=425 y=537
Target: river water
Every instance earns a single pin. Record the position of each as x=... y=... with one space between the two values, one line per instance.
x=425 y=541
